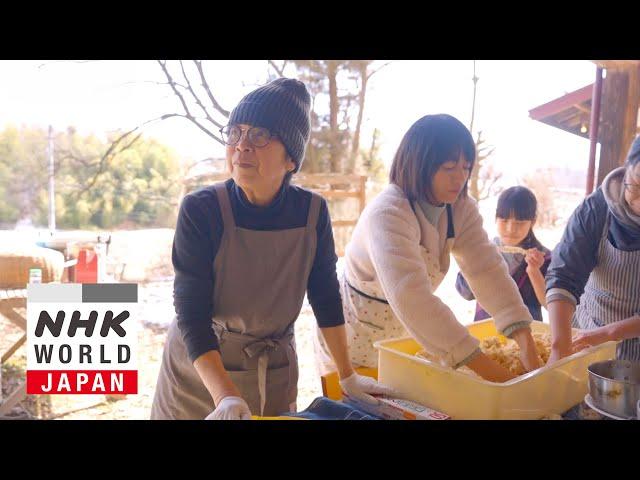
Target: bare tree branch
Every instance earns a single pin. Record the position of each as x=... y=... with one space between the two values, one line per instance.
x=71 y=61
x=197 y=99
x=140 y=82
x=70 y=155
x=172 y=84
x=279 y=70
x=205 y=85
x=106 y=158
x=169 y=115
x=488 y=184
x=184 y=87
x=188 y=115
x=377 y=70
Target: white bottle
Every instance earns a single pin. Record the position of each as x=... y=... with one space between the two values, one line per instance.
x=35 y=275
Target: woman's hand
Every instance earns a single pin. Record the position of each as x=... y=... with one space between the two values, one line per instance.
x=490 y=369
x=231 y=408
x=587 y=338
x=528 y=352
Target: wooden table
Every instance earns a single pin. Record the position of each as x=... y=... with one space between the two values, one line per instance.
x=11 y=301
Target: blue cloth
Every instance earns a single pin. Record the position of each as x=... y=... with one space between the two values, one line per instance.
x=323 y=408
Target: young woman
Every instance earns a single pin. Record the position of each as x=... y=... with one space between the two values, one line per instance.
x=399 y=254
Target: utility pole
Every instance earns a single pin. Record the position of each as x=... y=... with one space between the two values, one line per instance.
x=473 y=104
x=52 y=195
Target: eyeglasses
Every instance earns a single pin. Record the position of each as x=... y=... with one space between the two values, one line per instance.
x=257 y=136
x=634 y=188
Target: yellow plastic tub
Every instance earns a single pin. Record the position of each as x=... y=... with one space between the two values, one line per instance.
x=548 y=390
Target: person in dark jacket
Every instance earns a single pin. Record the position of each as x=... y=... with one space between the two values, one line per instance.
x=593 y=282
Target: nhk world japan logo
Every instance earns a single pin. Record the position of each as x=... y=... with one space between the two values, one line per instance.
x=82 y=338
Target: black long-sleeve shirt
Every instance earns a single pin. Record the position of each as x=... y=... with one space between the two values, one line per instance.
x=197 y=239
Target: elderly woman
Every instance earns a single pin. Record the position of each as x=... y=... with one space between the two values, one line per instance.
x=593 y=282
x=400 y=251
x=245 y=252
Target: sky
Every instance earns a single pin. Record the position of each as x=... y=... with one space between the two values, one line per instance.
x=102 y=96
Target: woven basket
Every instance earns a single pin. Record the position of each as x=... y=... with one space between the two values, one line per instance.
x=15 y=265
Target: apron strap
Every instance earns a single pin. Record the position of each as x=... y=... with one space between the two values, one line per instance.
x=225 y=204
x=262 y=347
x=451 y=233
x=314 y=211
x=362 y=294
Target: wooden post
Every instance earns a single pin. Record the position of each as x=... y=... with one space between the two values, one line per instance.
x=620 y=99
x=631 y=112
x=595 y=127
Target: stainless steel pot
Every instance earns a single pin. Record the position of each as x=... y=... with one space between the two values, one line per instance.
x=614 y=386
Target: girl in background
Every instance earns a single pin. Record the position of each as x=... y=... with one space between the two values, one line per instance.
x=526 y=257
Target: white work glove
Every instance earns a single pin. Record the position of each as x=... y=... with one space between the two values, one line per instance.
x=231 y=408
x=360 y=386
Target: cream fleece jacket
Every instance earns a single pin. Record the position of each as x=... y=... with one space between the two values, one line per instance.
x=386 y=258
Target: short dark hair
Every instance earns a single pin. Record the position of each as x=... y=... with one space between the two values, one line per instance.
x=430 y=142
x=519 y=202
x=633 y=157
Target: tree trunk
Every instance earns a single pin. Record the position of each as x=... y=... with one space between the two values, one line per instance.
x=332 y=73
x=355 y=146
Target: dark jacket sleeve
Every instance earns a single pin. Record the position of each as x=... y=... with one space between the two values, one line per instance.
x=463 y=288
x=575 y=256
x=322 y=288
x=196 y=241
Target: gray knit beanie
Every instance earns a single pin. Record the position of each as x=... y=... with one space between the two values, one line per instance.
x=282 y=106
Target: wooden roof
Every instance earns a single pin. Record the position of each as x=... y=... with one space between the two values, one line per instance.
x=570 y=112
x=617 y=64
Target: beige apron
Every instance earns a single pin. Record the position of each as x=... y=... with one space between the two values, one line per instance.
x=260 y=282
